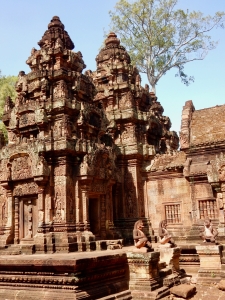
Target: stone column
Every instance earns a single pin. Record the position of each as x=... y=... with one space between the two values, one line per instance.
x=40 y=207
x=85 y=207
x=87 y=235
x=222 y=211
x=193 y=202
x=9 y=209
x=16 y=231
x=77 y=205
x=103 y=216
x=30 y=220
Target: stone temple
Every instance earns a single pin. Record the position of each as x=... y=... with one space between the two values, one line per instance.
x=88 y=154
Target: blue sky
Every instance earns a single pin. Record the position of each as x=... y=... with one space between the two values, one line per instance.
x=23 y=22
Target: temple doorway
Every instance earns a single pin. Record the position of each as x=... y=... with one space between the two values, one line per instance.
x=28 y=218
x=94 y=216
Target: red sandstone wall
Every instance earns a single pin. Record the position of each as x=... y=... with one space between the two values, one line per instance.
x=162 y=192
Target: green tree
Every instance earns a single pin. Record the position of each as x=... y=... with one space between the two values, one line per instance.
x=7 y=88
x=159 y=37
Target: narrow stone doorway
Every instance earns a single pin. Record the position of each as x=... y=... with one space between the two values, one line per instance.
x=94 y=216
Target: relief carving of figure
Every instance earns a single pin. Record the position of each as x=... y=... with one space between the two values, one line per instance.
x=9 y=172
x=222 y=173
x=3 y=211
x=61 y=91
x=59 y=212
x=8 y=104
x=41 y=167
x=84 y=167
x=58 y=44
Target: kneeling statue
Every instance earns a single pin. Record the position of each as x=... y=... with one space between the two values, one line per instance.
x=140 y=239
x=209 y=233
x=164 y=236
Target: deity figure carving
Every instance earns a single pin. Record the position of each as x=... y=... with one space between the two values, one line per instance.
x=60 y=90
x=209 y=233
x=21 y=88
x=41 y=167
x=8 y=104
x=59 y=212
x=165 y=237
x=140 y=239
x=222 y=173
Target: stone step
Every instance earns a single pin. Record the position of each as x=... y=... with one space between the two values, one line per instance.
x=162 y=265
x=126 y=295
x=157 y=294
x=171 y=280
x=165 y=272
x=25 y=248
x=10 y=250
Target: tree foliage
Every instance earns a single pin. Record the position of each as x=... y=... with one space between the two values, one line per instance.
x=7 y=88
x=159 y=37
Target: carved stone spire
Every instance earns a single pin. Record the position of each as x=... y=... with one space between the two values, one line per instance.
x=112 y=50
x=56 y=36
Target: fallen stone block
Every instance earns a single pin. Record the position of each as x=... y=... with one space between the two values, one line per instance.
x=221 y=285
x=183 y=290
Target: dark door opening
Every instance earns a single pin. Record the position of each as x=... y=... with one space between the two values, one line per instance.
x=94 y=216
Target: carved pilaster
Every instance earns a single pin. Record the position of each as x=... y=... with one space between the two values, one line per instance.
x=16 y=231
x=30 y=220
x=77 y=203
x=85 y=207
x=40 y=204
x=9 y=209
x=193 y=202
x=103 y=216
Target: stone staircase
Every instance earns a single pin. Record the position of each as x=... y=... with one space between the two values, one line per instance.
x=169 y=278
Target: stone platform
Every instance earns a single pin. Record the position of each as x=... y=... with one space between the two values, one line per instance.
x=89 y=275
x=210 y=262
x=109 y=274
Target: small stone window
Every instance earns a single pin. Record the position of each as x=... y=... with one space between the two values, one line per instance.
x=208 y=208
x=173 y=214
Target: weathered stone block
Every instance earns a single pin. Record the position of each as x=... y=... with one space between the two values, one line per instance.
x=170 y=256
x=183 y=290
x=143 y=270
x=221 y=285
x=210 y=256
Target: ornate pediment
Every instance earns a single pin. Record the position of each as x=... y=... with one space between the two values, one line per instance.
x=99 y=163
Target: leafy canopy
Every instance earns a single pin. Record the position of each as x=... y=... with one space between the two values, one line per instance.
x=7 y=88
x=160 y=37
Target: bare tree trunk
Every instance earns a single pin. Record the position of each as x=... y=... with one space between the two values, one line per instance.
x=151 y=82
x=153 y=88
